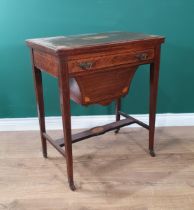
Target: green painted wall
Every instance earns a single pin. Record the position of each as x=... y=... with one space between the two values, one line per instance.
x=23 y=19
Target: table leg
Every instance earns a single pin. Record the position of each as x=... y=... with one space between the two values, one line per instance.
x=66 y=120
x=154 y=76
x=40 y=106
x=117 y=109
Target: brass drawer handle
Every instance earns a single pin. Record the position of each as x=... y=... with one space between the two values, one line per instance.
x=142 y=56
x=86 y=65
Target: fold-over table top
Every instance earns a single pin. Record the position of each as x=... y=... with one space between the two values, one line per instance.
x=86 y=40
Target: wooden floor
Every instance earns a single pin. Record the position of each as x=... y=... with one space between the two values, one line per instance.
x=112 y=172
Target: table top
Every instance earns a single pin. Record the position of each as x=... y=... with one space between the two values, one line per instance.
x=85 y=40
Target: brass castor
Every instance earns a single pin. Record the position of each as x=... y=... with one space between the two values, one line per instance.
x=72 y=186
x=117 y=130
x=152 y=153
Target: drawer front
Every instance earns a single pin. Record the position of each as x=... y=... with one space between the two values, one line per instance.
x=100 y=62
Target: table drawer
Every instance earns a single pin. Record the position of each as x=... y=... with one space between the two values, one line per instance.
x=100 y=62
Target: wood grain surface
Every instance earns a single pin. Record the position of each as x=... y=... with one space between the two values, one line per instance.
x=112 y=172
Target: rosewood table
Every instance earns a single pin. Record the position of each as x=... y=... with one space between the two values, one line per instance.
x=93 y=69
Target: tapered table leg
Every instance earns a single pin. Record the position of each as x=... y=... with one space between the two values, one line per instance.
x=117 y=109
x=154 y=76
x=66 y=119
x=40 y=105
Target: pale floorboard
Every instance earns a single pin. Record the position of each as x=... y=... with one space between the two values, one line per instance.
x=112 y=172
